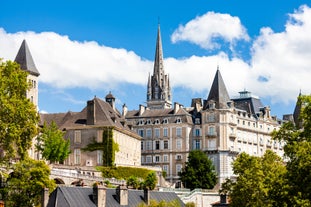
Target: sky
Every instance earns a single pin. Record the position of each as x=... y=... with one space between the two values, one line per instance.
x=84 y=49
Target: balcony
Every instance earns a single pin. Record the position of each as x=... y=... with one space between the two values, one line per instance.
x=211 y=134
x=232 y=135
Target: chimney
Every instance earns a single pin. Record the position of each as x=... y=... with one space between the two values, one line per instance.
x=45 y=197
x=111 y=100
x=177 y=106
x=147 y=196
x=122 y=195
x=90 y=116
x=124 y=110
x=99 y=195
x=142 y=109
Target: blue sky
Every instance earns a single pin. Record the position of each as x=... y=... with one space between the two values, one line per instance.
x=88 y=48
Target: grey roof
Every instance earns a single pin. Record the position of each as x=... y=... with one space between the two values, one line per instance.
x=251 y=105
x=218 y=92
x=25 y=60
x=64 y=196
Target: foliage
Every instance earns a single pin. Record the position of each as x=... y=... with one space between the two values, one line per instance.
x=259 y=182
x=151 y=181
x=297 y=152
x=154 y=203
x=190 y=204
x=26 y=182
x=19 y=117
x=199 y=171
x=133 y=181
x=123 y=172
x=108 y=146
x=51 y=143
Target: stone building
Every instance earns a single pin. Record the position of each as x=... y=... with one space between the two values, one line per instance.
x=87 y=126
x=220 y=126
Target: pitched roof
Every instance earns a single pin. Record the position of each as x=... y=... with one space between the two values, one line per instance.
x=25 y=60
x=64 y=196
x=218 y=92
x=248 y=103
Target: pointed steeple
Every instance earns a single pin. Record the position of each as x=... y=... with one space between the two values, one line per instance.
x=25 y=60
x=159 y=91
x=297 y=111
x=218 y=93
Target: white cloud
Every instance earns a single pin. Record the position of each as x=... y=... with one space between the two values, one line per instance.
x=64 y=63
x=204 y=29
x=280 y=64
x=284 y=59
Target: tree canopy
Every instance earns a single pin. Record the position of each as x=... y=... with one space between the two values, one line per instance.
x=52 y=144
x=25 y=183
x=270 y=180
x=199 y=171
x=18 y=116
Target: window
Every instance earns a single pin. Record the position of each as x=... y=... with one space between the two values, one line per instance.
x=157 y=158
x=142 y=145
x=148 y=145
x=148 y=121
x=165 y=158
x=165 y=132
x=211 y=144
x=148 y=133
x=157 y=145
x=99 y=157
x=178 y=131
x=148 y=159
x=77 y=156
x=178 y=143
x=178 y=157
x=197 y=132
x=165 y=121
x=197 y=144
x=165 y=144
x=140 y=122
x=197 y=121
x=157 y=132
x=141 y=132
x=77 y=138
x=157 y=121
x=178 y=168
x=210 y=118
x=211 y=131
x=178 y=120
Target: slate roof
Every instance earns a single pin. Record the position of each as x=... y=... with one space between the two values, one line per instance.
x=251 y=105
x=218 y=92
x=64 y=196
x=25 y=60
x=105 y=115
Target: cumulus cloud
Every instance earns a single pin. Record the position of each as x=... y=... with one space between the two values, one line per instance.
x=279 y=67
x=281 y=62
x=65 y=63
x=205 y=29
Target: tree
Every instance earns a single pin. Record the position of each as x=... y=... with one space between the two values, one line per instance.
x=132 y=181
x=18 y=116
x=51 y=143
x=259 y=182
x=199 y=171
x=297 y=153
x=162 y=203
x=151 y=181
x=25 y=183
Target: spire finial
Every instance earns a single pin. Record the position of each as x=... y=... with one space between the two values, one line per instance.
x=158 y=20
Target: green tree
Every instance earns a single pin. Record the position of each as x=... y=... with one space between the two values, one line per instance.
x=18 y=116
x=297 y=153
x=259 y=182
x=154 y=203
x=25 y=183
x=151 y=181
x=199 y=171
x=133 y=181
x=51 y=143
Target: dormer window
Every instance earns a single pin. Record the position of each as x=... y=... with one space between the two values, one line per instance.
x=178 y=120
x=197 y=121
x=148 y=121
x=157 y=121
x=141 y=122
x=165 y=121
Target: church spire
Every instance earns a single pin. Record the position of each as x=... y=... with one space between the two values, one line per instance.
x=159 y=91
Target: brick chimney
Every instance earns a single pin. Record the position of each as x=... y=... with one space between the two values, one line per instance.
x=122 y=195
x=147 y=196
x=45 y=197
x=99 y=195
